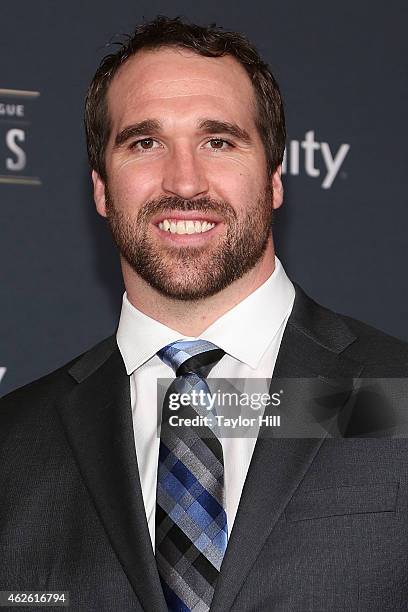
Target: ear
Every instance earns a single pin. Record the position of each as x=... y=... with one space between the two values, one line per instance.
x=277 y=187
x=99 y=193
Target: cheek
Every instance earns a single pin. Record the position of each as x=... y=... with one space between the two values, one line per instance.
x=242 y=168
x=239 y=185
x=132 y=185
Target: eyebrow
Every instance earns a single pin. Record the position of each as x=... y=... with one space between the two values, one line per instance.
x=148 y=126
x=213 y=126
x=152 y=127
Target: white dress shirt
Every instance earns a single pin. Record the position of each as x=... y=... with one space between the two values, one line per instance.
x=250 y=334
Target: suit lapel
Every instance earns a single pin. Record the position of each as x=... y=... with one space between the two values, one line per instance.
x=98 y=423
x=311 y=347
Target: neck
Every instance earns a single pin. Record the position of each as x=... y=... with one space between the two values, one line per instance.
x=191 y=318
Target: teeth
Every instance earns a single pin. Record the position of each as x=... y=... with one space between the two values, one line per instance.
x=190 y=228
x=185 y=227
x=181 y=227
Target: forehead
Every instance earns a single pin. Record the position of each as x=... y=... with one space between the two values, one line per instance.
x=179 y=81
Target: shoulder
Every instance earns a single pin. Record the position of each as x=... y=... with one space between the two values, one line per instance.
x=31 y=402
x=378 y=352
x=381 y=353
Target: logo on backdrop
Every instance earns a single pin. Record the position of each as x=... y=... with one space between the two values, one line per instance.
x=315 y=159
x=16 y=111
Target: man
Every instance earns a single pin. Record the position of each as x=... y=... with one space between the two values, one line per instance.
x=186 y=134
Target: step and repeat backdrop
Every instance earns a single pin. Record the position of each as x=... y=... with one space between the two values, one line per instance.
x=342 y=232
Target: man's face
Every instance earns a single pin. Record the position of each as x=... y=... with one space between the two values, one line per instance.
x=187 y=195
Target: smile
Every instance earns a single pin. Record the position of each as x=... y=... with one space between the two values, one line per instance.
x=190 y=226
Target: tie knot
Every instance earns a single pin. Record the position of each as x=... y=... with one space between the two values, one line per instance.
x=197 y=356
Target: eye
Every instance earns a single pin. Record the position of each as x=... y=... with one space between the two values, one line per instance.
x=145 y=144
x=219 y=144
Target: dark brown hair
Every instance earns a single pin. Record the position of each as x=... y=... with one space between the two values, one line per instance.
x=209 y=41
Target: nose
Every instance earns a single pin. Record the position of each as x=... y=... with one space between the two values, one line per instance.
x=183 y=174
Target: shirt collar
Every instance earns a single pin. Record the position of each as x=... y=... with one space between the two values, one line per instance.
x=244 y=332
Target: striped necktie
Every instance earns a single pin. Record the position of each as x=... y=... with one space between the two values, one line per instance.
x=191 y=522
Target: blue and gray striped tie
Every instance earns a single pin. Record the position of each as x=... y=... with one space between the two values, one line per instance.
x=191 y=522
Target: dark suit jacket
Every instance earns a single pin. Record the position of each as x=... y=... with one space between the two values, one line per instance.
x=322 y=524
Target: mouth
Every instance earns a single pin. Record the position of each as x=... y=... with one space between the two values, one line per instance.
x=187 y=228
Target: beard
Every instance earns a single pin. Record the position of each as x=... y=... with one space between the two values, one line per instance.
x=188 y=272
